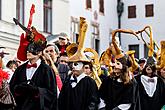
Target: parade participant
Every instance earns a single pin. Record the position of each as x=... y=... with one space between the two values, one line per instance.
x=33 y=83
x=87 y=68
x=7 y=101
x=78 y=95
x=151 y=88
x=119 y=91
x=62 y=43
x=79 y=91
x=2 y=54
x=142 y=63
x=161 y=73
x=10 y=68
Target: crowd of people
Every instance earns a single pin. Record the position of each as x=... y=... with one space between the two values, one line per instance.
x=50 y=80
x=45 y=78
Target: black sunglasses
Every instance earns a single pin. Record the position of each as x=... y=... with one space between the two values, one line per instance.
x=86 y=67
x=63 y=61
x=62 y=38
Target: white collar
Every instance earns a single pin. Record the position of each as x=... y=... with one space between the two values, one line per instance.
x=150 y=87
x=81 y=76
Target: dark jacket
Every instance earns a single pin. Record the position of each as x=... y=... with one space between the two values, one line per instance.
x=39 y=94
x=84 y=96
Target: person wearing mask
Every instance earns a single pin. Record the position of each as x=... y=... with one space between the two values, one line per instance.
x=151 y=87
x=79 y=91
x=87 y=68
x=119 y=91
x=142 y=63
x=33 y=84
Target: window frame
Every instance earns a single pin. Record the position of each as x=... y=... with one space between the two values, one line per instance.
x=132 y=11
x=95 y=36
x=19 y=11
x=47 y=8
x=101 y=6
x=0 y=9
x=88 y=4
x=132 y=47
x=74 y=29
x=149 y=10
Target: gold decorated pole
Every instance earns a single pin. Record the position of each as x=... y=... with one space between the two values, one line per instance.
x=134 y=65
x=150 y=46
x=117 y=51
x=105 y=59
x=80 y=55
x=96 y=69
x=161 y=62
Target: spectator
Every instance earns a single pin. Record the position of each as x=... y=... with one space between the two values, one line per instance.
x=63 y=67
x=53 y=52
x=142 y=63
x=10 y=68
x=62 y=43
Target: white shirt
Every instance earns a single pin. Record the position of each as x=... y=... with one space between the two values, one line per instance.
x=30 y=71
x=81 y=76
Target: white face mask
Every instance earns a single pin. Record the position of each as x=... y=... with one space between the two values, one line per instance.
x=77 y=65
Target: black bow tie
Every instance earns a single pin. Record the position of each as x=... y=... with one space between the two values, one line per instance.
x=73 y=80
x=151 y=80
x=32 y=65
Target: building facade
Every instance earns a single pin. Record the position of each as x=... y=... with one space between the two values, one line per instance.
x=51 y=17
x=101 y=18
x=55 y=16
x=137 y=15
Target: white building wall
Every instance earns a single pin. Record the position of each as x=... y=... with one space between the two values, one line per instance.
x=61 y=16
x=106 y=22
x=138 y=23
x=9 y=32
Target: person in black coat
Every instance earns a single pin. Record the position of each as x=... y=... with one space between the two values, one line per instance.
x=33 y=84
x=151 y=87
x=119 y=91
x=79 y=91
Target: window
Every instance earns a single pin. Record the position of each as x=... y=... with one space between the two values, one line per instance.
x=20 y=11
x=145 y=51
x=101 y=8
x=149 y=10
x=88 y=4
x=136 y=48
x=48 y=16
x=131 y=11
x=0 y=9
x=95 y=37
x=74 y=29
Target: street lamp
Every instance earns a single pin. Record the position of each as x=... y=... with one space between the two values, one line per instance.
x=120 y=9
